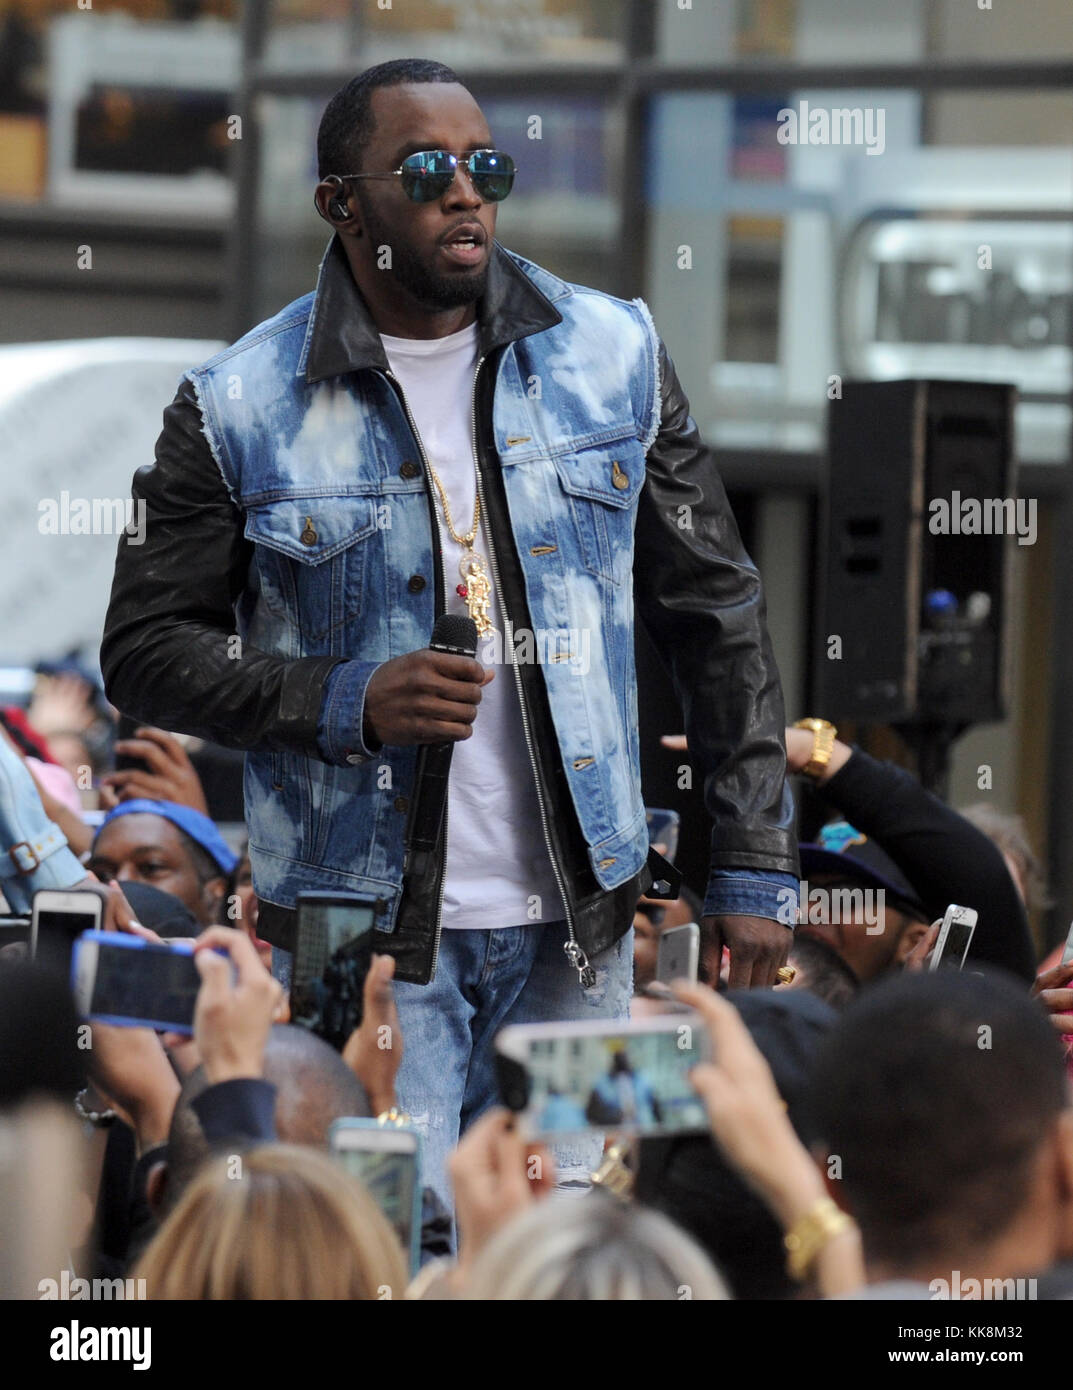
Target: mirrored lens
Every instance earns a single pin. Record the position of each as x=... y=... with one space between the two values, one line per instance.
x=427 y=175
x=492 y=172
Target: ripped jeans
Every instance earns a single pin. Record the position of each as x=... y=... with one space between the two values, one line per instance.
x=485 y=980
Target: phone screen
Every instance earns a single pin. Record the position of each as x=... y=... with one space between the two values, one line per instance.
x=56 y=932
x=391 y=1179
x=335 y=933
x=956 y=948
x=153 y=983
x=637 y=1081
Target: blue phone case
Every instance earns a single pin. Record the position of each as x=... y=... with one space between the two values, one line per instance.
x=132 y=943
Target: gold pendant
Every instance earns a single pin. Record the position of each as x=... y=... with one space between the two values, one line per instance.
x=476 y=590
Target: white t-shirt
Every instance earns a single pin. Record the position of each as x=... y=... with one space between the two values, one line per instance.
x=498 y=870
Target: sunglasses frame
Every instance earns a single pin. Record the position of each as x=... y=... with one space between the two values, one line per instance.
x=461 y=162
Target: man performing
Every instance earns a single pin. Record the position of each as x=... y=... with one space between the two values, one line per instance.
x=444 y=426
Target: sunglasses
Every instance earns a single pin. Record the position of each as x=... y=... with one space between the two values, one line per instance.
x=427 y=175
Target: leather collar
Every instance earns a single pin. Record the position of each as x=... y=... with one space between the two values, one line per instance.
x=342 y=336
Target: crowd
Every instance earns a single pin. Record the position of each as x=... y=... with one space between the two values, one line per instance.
x=876 y=1129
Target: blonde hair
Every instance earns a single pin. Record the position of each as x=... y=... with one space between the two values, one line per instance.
x=278 y=1222
x=593 y=1248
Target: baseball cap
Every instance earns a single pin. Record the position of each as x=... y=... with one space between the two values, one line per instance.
x=200 y=829
x=841 y=849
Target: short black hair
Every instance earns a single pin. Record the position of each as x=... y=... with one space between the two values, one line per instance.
x=347 y=124
x=827 y=975
x=935 y=1092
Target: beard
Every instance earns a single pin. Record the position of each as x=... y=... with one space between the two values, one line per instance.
x=428 y=287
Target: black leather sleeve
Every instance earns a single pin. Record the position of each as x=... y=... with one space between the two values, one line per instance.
x=700 y=598
x=170 y=654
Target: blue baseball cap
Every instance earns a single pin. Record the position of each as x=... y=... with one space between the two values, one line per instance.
x=200 y=829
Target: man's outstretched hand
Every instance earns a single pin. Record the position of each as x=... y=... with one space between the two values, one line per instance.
x=374 y=1051
x=757 y=945
x=423 y=697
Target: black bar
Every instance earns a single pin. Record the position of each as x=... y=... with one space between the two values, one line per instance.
x=650 y=76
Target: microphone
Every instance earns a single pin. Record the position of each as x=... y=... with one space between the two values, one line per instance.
x=457 y=635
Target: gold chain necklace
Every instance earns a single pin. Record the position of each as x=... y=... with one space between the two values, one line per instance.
x=475 y=587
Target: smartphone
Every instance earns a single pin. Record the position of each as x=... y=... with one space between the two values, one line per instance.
x=1067 y=954
x=679 y=954
x=128 y=728
x=604 y=1074
x=122 y=979
x=387 y=1159
x=333 y=950
x=663 y=830
x=56 y=919
x=955 y=937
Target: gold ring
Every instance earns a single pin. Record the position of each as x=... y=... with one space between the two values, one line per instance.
x=785 y=974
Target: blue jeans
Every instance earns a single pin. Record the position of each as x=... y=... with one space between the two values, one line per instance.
x=485 y=980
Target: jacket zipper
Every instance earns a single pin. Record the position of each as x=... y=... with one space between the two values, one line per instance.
x=575 y=955
x=441 y=608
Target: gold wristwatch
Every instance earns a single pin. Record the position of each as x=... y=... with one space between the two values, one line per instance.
x=823 y=742
x=810 y=1233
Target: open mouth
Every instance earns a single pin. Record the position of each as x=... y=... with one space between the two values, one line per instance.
x=464 y=249
x=466 y=246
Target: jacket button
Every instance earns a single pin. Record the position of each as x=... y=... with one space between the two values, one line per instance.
x=409 y=469
x=402 y=803
x=309 y=534
x=618 y=478
x=416 y=583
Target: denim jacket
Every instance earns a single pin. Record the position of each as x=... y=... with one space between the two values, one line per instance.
x=338 y=570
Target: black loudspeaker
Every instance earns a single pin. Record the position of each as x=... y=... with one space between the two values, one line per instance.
x=919 y=519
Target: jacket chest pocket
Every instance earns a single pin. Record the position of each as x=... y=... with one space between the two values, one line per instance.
x=602 y=486
x=312 y=555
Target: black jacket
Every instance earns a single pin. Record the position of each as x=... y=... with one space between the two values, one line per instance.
x=175 y=595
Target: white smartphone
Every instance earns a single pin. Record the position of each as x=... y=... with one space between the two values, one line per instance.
x=56 y=919
x=679 y=954
x=955 y=937
x=387 y=1159
x=604 y=1074
x=1067 y=954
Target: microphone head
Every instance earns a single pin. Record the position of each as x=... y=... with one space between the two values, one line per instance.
x=455 y=633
